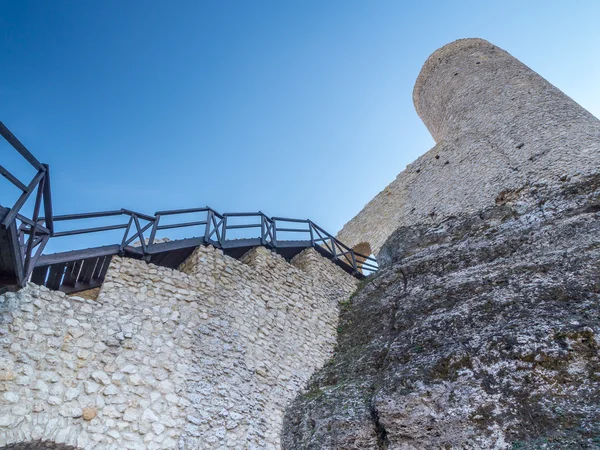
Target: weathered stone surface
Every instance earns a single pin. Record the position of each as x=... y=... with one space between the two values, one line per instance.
x=480 y=332
x=206 y=357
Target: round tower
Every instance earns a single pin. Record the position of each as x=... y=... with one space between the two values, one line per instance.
x=498 y=127
x=471 y=90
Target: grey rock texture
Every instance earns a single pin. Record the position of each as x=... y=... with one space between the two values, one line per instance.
x=481 y=329
x=479 y=332
x=497 y=125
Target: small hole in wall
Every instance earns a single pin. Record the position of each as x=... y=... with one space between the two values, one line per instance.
x=418 y=170
x=447 y=162
x=478 y=62
x=437 y=156
x=455 y=73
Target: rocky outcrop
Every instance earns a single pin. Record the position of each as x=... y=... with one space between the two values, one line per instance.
x=480 y=329
x=479 y=332
x=204 y=357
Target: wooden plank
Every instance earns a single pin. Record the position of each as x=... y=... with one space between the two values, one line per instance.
x=10 y=177
x=134 y=252
x=18 y=146
x=15 y=253
x=98 y=268
x=294 y=244
x=71 y=279
x=74 y=255
x=7 y=269
x=105 y=265
x=39 y=275
x=158 y=258
x=174 y=258
x=79 y=287
x=55 y=276
x=174 y=245
x=237 y=243
x=68 y=271
x=48 y=201
x=87 y=270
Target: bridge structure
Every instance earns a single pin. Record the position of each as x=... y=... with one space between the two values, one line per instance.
x=23 y=239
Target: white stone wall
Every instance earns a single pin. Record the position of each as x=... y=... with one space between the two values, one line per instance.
x=206 y=357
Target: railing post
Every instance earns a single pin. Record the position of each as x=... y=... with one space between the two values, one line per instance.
x=48 y=201
x=209 y=221
x=223 y=230
x=154 y=229
x=139 y=233
x=312 y=236
x=122 y=246
x=36 y=213
x=354 y=265
x=272 y=223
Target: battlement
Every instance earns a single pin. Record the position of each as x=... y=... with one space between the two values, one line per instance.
x=498 y=126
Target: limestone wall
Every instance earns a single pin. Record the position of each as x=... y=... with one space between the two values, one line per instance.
x=205 y=357
x=498 y=126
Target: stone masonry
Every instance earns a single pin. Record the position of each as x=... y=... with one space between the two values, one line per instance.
x=497 y=125
x=205 y=357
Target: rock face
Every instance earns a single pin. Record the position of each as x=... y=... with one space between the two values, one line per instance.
x=480 y=332
x=481 y=328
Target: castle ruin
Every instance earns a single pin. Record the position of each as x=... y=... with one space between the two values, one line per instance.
x=213 y=353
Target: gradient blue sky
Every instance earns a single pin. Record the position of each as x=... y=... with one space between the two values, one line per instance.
x=296 y=108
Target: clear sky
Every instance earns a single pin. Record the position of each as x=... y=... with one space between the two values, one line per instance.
x=296 y=108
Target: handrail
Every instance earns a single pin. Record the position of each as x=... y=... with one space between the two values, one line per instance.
x=38 y=234
x=216 y=227
x=213 y=229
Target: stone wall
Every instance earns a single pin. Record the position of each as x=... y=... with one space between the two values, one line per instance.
x=498 y=126
x=204 y=357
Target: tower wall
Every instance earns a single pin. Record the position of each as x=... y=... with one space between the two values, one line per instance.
x=498 y=127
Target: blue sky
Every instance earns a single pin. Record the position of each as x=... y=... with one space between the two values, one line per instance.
x=296 y=108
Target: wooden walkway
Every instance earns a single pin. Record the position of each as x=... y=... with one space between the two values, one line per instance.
x=23 y=239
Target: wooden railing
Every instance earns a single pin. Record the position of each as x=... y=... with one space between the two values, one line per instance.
x=25 y=238
x=216 y=229
x=32 y=235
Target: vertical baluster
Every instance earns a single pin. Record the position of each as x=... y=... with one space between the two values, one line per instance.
x=154 y=229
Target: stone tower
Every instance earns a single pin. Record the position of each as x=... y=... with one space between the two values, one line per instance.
x=497 y=125
x=481 y=328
